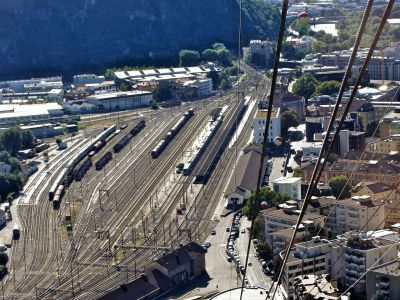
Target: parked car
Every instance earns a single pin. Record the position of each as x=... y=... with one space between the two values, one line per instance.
x=213 y=232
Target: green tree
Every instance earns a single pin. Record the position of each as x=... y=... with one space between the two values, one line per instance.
x=10 y=198
x=3 y=258
x=189 y=58
x=209 y=55
x=319 y=47
x=216 y=80
x=305 y=86
x=224 y=57
x=297 y=172
x=264 y=251
x=15 y=164
x=218 y=46
x=266 y=195
x=11 y=140
x=289 y=119
x=288 y=51
x=162 y=93
x=4 y=156
x=27 y=139
x=340 y=187
x=327 y=88
x=332 y=157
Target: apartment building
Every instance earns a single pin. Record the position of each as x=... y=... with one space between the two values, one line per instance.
x=373 y=170
x=318 y=256
x=288 y=185
x=385 y=145
x=278 y=219
x=376 y=190
x=281 y=239
x=359 y=213
x=385 y=278
x=259 y=125
x=317 y=287
x=363 y=252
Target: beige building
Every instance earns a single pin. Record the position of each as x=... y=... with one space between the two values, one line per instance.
x=359 y=213
x=385 y=145
x=385 y=278
x=278 y=219
x=376 y=190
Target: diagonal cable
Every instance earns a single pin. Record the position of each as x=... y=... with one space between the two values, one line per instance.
x=253 y=214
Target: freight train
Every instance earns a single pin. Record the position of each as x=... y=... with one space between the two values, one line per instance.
x=125 y=140
x=171 y=134
x=103 y=161
x=67 y=173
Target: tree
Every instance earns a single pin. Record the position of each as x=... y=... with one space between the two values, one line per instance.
x=297 y=172
x=218 y=46
x=224 y=57
x=305 y=86
x=27 y=139
x=340 y=187
x=266 y=195
x=319 y=47
x=209 y=55
x=4 y=156
x=216 y=80
x=289 y=119
x=162 y=93
x=288 y=51
x=11 y=140
x=332 y=157
x=189 y=58
x=264 y=251
x=327 y=88
x=15 y=164
x=3 y=258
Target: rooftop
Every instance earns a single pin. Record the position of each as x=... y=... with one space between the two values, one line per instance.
x=117 y=95
x=262 y=113
x=249 y=293
x=289 y=215
x=390 y=268
x=287 y=180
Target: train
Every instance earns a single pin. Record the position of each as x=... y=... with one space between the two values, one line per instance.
x=103 y=161
x=82 y=168
x=171 y=134
x=125 y=140
x=67 y=172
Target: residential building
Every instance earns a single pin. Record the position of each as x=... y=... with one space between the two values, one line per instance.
x=121 y=100
x=307 y=169
x=289 y=185
x=324 y=206
x=278 y=219
x=392 y=212
x=385 y=127
x=316 y=287
x=262 y=49
x=244 y=179
x=359 y=213
x=259 y=125
x=317 y=257
x=384 y=278
x=88 y=79
x=363 y=252
x=12 y=114
x=373 y=170
x=280 y=239
x=376 y=190
x=385 y=145
x=101 y=88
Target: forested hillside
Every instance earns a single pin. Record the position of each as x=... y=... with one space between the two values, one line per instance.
x=47 y=37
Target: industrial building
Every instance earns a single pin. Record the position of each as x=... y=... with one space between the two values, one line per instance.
x=12 y=114
x=121 y=100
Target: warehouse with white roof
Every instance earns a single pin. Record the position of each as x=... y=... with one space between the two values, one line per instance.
x=12 y=114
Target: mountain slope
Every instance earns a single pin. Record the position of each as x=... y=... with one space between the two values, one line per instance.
x=44 y=37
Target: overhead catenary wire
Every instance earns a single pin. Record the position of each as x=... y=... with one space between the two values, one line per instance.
x=266 y=132
x=348 y=180
x=316 y=175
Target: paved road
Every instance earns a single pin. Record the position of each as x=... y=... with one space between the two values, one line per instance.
x=276 y=169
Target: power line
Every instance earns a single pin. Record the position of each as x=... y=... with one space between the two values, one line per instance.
x=315 y=178
x=266 y=131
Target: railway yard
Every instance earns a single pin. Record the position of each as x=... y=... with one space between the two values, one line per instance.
x=91 y=221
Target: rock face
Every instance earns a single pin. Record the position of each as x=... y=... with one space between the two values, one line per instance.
x=46 y=37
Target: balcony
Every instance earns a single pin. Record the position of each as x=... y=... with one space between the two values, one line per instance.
x=384 y=284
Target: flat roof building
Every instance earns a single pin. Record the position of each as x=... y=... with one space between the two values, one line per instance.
x=121 y=100
x=12 y=114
